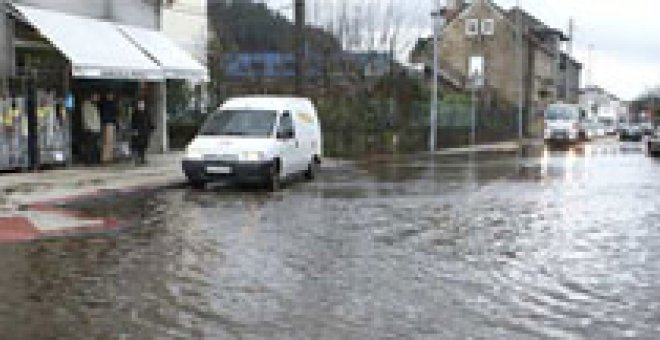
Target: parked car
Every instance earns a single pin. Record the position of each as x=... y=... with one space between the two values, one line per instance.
x=261 y=140
x=593 y=129
x=563 y=123
x=631 y=132
x=647 y=128
x=653 y=145
x=609 y=126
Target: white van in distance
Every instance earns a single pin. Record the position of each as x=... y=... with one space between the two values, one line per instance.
x=261 y=140
x=563 y=123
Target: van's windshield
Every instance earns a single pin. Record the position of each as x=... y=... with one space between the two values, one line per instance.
x=250 y=123
x=561 y=113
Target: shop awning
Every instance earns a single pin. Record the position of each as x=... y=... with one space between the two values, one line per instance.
x=95 y=48
x=175 y=62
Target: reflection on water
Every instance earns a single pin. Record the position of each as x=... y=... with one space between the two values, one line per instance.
x=540 y=244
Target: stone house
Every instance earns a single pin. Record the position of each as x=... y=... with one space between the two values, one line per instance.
x=486 y=31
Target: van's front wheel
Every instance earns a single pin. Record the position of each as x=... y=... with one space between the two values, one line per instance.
x=273 y=182
x=312 y=170
x=197 y=184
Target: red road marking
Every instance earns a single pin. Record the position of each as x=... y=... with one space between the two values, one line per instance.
x=16 y=229
x=19 y=228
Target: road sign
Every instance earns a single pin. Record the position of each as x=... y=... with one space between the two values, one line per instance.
x=476 y=71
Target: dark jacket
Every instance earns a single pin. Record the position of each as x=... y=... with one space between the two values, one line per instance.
x=108 y=111
x=142 y=127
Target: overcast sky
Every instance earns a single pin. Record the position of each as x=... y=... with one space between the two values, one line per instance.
x=624 y=34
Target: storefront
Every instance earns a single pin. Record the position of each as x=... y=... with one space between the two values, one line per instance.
x=63 y=60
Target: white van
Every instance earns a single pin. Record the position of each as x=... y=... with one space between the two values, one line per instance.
x=261 y=139
x=563 y=123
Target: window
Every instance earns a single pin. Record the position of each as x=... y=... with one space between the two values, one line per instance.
x=472 y=27
x=258 y=67
x=251 y=123
x=286 y=128
x=488 y=27
x=476 y=70
x=560 y=112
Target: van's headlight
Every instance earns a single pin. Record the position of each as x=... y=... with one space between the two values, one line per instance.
x=252 y=156
x=194 y=154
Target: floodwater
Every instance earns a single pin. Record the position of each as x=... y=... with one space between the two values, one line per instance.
x=558 y=244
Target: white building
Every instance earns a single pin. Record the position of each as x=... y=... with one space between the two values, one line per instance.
x=186 y=23
x=58 y=52
x=602 y=106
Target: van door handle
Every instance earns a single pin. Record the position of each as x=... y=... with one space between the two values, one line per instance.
x=297 y=144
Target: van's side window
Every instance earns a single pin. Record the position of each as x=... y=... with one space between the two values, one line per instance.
x=286 y=128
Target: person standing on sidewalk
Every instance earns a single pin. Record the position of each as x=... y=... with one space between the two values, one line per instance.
x=142 y=127
x=92 y=129
x=108 y=110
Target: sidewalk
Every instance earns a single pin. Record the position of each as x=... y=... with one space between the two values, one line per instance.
x=18 y=189
x=28 y=201
x=509 y=146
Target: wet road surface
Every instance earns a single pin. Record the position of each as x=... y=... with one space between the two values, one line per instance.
x=558 y=244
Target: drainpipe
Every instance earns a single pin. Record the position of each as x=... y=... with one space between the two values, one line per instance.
x=163 y=142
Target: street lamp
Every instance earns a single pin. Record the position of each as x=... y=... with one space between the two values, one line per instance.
x=437 y=22
x=521 y=72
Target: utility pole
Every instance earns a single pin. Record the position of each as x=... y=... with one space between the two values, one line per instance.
x=557 y=67
x=569 y=53
x=590 y=52
x=436 y=16
x=473 y=115
x=298 y=45
x=521 y=74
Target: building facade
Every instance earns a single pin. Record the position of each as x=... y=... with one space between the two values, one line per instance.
x=570 y=71
x=603 y=106
x=515 y=53
x=56 y=53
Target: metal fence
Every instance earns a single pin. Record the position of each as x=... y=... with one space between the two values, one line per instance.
x=352 y=128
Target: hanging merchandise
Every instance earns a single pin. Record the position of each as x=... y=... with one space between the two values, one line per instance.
x=124 y=132
x=53 y=130
x=4 y=147
x=15 y=134
x=44 y=129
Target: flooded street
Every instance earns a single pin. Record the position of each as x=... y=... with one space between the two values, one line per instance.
x=560 y=244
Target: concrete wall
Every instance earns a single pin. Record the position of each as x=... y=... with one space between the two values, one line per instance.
x=571 y=77
x=133 y=12
x=92 y=8
x=186 y=23
x=136 y=12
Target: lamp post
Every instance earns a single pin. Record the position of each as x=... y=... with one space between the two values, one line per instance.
x=437 y=17
x=299 y=41
x=521 y=76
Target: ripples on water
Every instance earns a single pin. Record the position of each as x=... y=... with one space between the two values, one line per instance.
x=564 y=246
